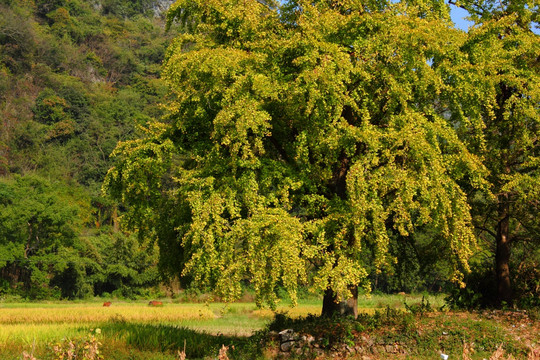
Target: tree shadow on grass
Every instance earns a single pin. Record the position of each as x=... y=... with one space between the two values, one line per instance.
x=170 y=338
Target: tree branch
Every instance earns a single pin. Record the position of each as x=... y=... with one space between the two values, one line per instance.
x=490 y=232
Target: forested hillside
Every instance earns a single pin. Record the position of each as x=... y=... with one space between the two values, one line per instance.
x=76 y=77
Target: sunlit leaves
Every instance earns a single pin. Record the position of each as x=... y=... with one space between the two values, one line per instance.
x=303 y=140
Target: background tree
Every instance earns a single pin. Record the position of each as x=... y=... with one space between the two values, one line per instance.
x=503 y=65
x=38 y=221
x=300 y=140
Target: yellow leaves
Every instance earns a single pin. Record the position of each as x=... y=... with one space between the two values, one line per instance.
x=339 y=274
x=412 y=184
x=141 y=163
x=318 y=137
x=228 y=20
x=264 y=247
x=241 y=127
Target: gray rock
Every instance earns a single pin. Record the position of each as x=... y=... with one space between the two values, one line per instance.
x=287 y=335
x=286 y=346
x=161 y=6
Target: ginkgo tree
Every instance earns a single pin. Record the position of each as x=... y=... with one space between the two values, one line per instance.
x=499 y=85
x=300 y=137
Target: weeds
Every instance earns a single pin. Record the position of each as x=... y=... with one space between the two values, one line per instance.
x=181 y=355
x=86 y=348
x=420 y=308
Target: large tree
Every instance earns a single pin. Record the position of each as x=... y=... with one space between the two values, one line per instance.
x=301 y=137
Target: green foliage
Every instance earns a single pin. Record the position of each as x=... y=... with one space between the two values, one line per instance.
x=127 y=267
x=498 y=81
x=17 y=39
x=421 y=308
x=72 y=84
x=39 y=221
x=126 y=8
x=43 y=257
x=418 y=266
x=481 y=289
x=330 y=332
x=526 y=279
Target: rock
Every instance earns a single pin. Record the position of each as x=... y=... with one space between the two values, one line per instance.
x=286 y=346
x=369 y=341
x=161 y=6
x=289 y=340
x=287 y=335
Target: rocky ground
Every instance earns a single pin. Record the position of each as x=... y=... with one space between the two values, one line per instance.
x=446 y=335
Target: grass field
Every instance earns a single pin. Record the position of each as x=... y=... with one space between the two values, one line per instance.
x=134 y=330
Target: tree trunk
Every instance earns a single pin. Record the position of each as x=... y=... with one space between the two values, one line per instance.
x=114 y=219
x=502 y=254
x=349 y=307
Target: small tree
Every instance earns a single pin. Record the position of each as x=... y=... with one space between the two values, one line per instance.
x=301 y=137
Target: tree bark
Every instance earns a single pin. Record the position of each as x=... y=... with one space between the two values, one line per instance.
x=114 y=219
x=332 y=307
x=502 y=253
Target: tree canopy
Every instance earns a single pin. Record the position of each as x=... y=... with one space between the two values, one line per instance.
x=503 y=65
x=301 y=138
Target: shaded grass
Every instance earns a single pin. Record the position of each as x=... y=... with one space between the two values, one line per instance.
x=169 y=339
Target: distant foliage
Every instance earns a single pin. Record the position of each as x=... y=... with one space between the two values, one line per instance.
x=73 y=82
x=40 y=220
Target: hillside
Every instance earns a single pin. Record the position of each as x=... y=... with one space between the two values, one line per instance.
x=76 y=77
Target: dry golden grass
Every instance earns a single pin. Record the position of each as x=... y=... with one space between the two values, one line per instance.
x=74 y=314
